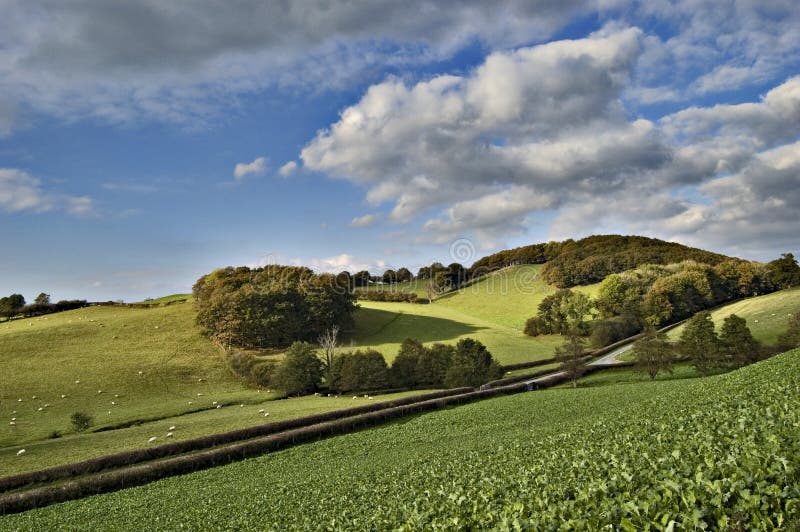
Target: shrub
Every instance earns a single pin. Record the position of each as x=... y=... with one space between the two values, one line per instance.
x=606 y=332
x=471 y=365
x=300 y=371
x=263 y=372
x=432 y=365
x=359 y=371
x=80 y=421
x=404 y=368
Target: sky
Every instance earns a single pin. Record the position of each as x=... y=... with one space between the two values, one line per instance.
x=145 y=143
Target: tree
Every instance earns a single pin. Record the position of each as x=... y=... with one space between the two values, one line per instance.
x=42 y=299
x=560 y=313
x=653 y=353
x=737 y=346
x=11 y=305
x=360 y=371
x=432 y=365
x=791 y=337
x=327 y=341
x=404 y=367
x=404 y=275
x=389 y=276
x=300 y=371
x=700 y=343
x=80 y=421
x=361 y=278
x=784 y=272
x=471 y=365
x=570 y=356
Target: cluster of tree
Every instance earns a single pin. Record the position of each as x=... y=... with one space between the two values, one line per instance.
x=577 y=262
x=302 y=371
x=386 y=295
x=271 y=306
x=563 y=312
x=364 y=278
x=14 y=305
x=657 y=294
x=734 y=346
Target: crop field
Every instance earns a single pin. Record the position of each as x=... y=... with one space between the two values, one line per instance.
x=767 y=316
x=714 y=453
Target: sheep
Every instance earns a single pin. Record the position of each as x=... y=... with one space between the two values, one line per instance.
x=141 y=372
x=19 y=400
x=266 y=414
x=261 y=411
x=242 y=405
x=40 y=409
x=34 y=397
x=20 y=452
x=151 y=440
x=99 y=391
x=63 y=396
x=13 y=419
x=12 y=423
x=169 y=434
x=190 y=402
x=199 y=395
x=213 y=402
x=171 y=428
x=77 y=381
x=219 y=406
x=113 y=402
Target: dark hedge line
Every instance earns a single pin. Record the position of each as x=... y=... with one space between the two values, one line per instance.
x=526 y=365
x=387 y=295
x=127 y=458
x=141 y=474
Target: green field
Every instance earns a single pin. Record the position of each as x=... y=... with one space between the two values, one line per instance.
x=767 y=316
x=492 y=310
x=714 y=453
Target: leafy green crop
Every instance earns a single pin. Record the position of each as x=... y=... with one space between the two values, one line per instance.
x=715 y=453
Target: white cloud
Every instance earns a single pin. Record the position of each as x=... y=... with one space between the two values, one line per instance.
x=342 y=262
x=20 y=191
x=364 y=221
x=257 y=167
x=288 y=169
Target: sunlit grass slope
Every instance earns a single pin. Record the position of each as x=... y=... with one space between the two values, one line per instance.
x=383 y=326
x=116 y=364
x=714 y=453
x=767 y=316
x=507 y=297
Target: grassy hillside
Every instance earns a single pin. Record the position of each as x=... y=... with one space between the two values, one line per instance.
x=383 y=326
x=507 y=297
x=117 y=364
x=767 y=316
x=417 y=286
x=715 y=453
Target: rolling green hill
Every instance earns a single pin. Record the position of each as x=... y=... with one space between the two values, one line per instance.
x=716 y=453
x=767 y=316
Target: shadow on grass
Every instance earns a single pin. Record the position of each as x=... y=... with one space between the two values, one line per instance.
x=376 y=326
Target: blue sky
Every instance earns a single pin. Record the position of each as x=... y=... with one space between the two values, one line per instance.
x=412 y=132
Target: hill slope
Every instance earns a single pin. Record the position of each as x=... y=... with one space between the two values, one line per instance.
x=721 y=452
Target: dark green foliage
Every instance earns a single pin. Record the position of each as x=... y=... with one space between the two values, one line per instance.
x=42 y=299
x=11 y=305
x=653 y=353
x=700 y=343
x=432 y=365
x=471 y=365
x=361 y=279
x=404 y=368
x=607 y=331
x=791 y=337
x=80 y=421
x=270 y=307
x=300 y=371
x=561 y=312
x=738 y=348
x=393 y=296
x=389 y=277
x=359 y=371
x=570 y=355
x=404 y=275
x=784 y=272
x=262 y=373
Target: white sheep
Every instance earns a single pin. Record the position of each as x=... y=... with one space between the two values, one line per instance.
x=261 y=411
x=219 y=406
x=172 y=427
x=151 y=440
x=63 y=396
x=20 y=452
x=213 y=402
x=40 y=409
x=12 y=423
x=113 y=402
x=169 y=434
x=266 y=414
x=77 y=381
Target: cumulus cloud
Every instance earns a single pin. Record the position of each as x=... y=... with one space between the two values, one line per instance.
x=257 y=167
x=342 y=262
x=20 y=191
x=364 y=221
x=288 y=169
x=178 y=61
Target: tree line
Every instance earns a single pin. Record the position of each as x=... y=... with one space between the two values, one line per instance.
x=303 y=370
x=15 y=305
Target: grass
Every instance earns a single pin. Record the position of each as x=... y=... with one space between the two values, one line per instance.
x=715 y=453
x=383 y=326
x=767 y=316
x=417 y=286
x=77 y=447
x=507 y=297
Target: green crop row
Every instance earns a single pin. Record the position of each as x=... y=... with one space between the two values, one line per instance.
x=716 y=453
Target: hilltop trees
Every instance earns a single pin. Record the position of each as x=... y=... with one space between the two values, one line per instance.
x=561 y=313
x=784 y=272
x=270 y=307
x=11 y=305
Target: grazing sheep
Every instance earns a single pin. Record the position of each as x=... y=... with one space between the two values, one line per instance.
x=77 y=382
x=199 y=395
x=13 y=419
x=40 y=409
x=20 y=452
x=169 y=434
x=219 y=406
x=63 y=396
x=34 y=397
x=266 y=414
x=113 y=402
x=172 y=427
x=190 y=402
x=151 y=440
x=12 y=423
x=213 y=402
x=261 y=411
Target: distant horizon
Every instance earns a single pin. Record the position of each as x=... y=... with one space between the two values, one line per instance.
x=145 y=144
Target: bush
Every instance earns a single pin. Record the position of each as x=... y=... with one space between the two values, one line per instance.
x=81 y=421
x=391 y=295
x=471 y=365
x=300 y=371
x=432 y=365
x=606 y=332
x=263 y=372
x=404 y=368
x=359 y=371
